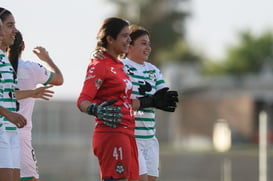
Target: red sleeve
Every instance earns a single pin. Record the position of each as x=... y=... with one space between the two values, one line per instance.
x=95 y=75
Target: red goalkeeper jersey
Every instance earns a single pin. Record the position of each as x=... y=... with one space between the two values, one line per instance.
x=105 y=80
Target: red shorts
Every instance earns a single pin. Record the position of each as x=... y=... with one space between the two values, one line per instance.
x=117 y=155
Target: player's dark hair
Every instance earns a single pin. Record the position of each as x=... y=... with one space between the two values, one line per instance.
x=15 y=50
x=4 y=13
x=110 y=27
x=137 y=31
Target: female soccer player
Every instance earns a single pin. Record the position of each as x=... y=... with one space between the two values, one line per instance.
x=30 y=74
x=106 y=94
x=10 y=121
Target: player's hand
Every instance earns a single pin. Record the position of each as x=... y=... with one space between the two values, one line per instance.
x=163 y=99
x=41 y=53
x=110 y=115
x=97 y=54
x=15 y=118
x=43 y=92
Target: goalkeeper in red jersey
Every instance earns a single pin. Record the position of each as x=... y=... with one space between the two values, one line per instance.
x=106 y=95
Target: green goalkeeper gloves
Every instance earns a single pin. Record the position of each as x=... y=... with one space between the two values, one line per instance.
x=163 y=99
x=109 y=115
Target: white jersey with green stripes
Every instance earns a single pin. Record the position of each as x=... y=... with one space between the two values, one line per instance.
x=147 y=79
x=8 y=81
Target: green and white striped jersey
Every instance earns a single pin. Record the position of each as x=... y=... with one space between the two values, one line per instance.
x=146 y=79
x=8 y=81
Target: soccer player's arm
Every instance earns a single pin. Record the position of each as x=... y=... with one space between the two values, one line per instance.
x=93 y=80
x=13 y=117
x=43 y=92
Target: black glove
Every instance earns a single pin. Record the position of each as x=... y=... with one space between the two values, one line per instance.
x=163 y=99
x=110 y=115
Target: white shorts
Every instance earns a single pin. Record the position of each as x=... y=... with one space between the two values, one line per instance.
x=148 y=156
x=29 y=167
x=9 y=148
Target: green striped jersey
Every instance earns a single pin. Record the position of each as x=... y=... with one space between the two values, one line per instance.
x=8 y=81
x=146 y=79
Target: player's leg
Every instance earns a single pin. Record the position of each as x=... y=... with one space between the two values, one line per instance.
x=141 y=160
x=113 y=151
x=5 y=174
x=152 y=159
x=128 y=153
x=9 y=156
x=16 y=174
x=134 y=165
x=151 y=178
x=143 y=177
x=5 y=157
x=15 y=151
x=29 y=169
